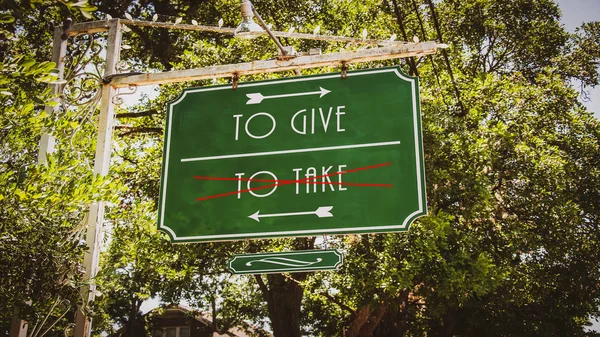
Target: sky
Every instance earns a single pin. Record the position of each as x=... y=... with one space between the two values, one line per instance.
x=574 y=13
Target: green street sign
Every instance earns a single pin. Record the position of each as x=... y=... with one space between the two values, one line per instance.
x=299 y=156
x=298 y=261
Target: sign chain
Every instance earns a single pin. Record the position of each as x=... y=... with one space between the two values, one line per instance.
x=344 y=70
x=236 y=79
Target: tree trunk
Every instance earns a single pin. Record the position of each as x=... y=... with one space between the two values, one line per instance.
x=367 y=320
x=283 y=295
x=284 y=307
x=132 y=328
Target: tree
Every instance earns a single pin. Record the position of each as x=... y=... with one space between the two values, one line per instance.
x=509 y=245
x=500 y=247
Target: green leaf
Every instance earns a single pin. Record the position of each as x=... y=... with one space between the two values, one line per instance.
x=20 y=193
x=6 y=18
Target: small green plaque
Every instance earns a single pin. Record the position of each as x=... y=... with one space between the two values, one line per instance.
x=298 y=261
x=299 y=156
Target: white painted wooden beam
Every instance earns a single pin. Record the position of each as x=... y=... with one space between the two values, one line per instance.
x=269 y=66
x=95 y=216
x=59 y=50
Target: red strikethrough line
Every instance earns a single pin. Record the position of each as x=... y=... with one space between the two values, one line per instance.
x=308 y=180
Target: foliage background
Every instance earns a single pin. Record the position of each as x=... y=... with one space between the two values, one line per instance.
x=510 y=246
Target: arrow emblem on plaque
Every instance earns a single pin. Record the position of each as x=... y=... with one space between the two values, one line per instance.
x=321 y=212
x=256 y=98
x=280 y=262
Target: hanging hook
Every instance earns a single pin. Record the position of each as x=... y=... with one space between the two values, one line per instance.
x=67 y=23
x=344 y=70
x=234 y=84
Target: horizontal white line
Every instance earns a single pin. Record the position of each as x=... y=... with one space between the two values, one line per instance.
x=271 y=153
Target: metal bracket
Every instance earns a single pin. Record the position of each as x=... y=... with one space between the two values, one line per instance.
x=67 y=23
x=108 y=79
x=287 y=53
x=118 y=100
x=344 y=70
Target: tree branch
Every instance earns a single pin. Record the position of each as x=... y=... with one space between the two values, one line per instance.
x=339 y=303
x=495 y=188
x=374 y=319
x=137 y=114
x=136 y=130
x=424 y=37
x=213 y=306
x=360 y=319
x=416 y=9
x=399 y=17
x=498 y=61
x=263 y=287
x=463 y=111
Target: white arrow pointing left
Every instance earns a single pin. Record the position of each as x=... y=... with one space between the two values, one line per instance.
x=321 y=212
x=256 y=98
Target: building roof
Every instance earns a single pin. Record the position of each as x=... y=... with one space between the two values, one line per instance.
x=206 y=319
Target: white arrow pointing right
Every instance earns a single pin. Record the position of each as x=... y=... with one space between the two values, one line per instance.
x=256 y=98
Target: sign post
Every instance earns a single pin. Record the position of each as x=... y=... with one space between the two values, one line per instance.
x=95 y=217
x=300 y=156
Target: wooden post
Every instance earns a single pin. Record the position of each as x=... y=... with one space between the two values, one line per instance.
x=18 y=327
x=59 y=51
x=95 y=217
